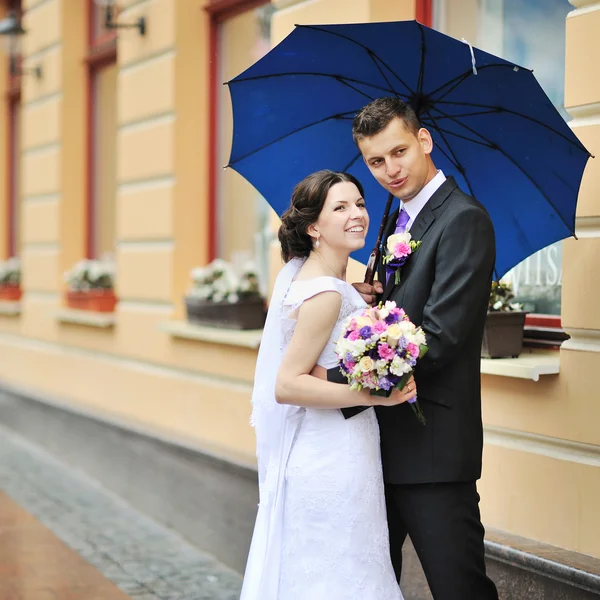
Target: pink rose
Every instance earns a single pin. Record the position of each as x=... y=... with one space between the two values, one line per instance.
x=386 y=352
x=413 y=350
x=354 y=335
x=401 y=250
x=379 y=327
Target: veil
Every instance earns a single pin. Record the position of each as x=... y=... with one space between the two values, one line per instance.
x=275 y=426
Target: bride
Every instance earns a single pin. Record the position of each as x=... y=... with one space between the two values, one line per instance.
x=321 y=531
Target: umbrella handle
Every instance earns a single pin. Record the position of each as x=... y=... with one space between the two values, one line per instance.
x=376 y=253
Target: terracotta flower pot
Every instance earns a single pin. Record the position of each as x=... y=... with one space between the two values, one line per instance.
x=503 y=334
x=103 y=300
x=10 y=292
x=248 y=313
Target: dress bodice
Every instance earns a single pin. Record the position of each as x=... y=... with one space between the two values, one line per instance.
x=302 y=290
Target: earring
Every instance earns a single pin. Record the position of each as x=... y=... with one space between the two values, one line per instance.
x=317 y=243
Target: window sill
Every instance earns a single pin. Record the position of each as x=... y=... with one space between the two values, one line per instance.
x=531 y=364
x=249 y=338
x=86 y=317
x=10 y=308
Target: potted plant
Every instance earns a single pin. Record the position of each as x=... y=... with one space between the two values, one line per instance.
x=90 y=286
x=503 y=333
x=10 y=280
x=221 y=296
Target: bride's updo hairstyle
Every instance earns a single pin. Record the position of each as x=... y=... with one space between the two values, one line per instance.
x=307 y=203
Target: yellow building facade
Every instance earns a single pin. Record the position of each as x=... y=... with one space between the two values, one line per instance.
x=143 y=366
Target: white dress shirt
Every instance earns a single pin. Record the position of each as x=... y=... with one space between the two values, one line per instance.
x=413 y=207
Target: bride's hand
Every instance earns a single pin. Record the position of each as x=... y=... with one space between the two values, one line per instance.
x=408 y=392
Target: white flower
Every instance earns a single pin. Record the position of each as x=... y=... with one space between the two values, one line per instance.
x=397 y=238
x=399 y=366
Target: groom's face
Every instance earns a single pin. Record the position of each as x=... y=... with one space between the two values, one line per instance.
x=399 y=159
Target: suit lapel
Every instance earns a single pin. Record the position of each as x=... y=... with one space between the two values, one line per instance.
x=419 y=228
x=389 y=229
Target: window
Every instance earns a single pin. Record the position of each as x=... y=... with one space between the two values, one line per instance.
x=503 y=27
x=102 y=144
x=241 y=215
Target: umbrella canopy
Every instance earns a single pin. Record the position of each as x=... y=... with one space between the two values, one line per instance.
x=494 y=128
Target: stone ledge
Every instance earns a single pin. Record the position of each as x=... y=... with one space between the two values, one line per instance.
x=531 y=364
x=249 y=338
x=569 y=567
x=86 y=317
x=10 y=308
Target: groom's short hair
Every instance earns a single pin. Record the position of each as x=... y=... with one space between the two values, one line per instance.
x=377 y=115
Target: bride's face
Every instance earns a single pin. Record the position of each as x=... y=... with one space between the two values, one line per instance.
x=344 y=220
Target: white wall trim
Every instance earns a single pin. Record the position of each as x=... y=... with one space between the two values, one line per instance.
x=143 y=185
x=146 y=244
x=583 y=7
x=584 y=340
x=162 y=56
x=156 y=120
x=551 y=447
x=132 y=364
x=587 y=227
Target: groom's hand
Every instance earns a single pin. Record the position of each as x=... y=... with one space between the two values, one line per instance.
x=369 y=292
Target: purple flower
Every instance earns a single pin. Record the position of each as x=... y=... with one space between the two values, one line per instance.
x=392 y=318
x=349 y=357
x=403 y=343
x=366 y=332
x=385 y=384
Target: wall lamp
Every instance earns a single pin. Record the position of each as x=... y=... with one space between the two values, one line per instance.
x=109 y=18
x=12 y=31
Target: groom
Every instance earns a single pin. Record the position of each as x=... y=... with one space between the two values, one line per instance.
x=431 y=471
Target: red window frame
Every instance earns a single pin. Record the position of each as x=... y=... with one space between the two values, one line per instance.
x=218 y=11
x=423 y=12
x=102 y=52
x=13 y=102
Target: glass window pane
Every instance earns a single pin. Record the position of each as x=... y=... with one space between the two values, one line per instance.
x=503 y=27
x=243 y=213
x=104 y=163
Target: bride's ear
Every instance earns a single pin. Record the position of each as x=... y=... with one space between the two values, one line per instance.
x=313 y=232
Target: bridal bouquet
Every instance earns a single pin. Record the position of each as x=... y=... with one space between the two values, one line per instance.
x=379 y=350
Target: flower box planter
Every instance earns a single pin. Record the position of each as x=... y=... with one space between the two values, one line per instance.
x=98 y=300
x=247 y=313
x=503 y=334
x=10 y=292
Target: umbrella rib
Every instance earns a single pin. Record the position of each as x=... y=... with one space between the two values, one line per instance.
x=464 y=76
x=345 y=169
x=496 y=148
x=329 y=75
x=511 y=112
x=337 y=116
x=375 y=59
x=422 y=65
x=366 y=49
x=356 y=89
x=456 y=162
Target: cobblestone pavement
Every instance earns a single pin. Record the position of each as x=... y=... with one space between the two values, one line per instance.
x=144 y=559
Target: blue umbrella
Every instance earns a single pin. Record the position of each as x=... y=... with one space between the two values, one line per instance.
x=494 y=128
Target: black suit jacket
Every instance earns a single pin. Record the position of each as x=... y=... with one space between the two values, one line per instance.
x=444 y=287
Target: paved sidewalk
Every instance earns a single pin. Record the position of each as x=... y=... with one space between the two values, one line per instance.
x=144 y=559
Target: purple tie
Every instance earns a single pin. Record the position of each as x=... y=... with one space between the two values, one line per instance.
x=403 y=219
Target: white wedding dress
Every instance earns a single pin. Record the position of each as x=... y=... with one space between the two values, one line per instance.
x=321 y=530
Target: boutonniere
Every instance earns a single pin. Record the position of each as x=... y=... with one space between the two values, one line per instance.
x=399 y=247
